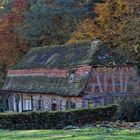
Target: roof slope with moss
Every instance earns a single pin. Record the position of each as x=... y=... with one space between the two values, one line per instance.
x=57 y=56
x=65 y=56
x=44 y=84
x=70 y=55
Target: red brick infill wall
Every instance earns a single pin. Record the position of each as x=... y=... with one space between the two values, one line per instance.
x=114 y=80
x=52 y=72
x=103 y=80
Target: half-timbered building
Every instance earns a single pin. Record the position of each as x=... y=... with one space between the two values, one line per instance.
x=69 y=76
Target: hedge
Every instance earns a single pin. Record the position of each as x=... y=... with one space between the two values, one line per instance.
x=56 y=119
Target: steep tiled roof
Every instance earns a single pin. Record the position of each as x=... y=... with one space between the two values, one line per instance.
x=62 y=57
x=44 y=84
x=57 y=56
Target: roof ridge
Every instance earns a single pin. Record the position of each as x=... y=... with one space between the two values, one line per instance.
x=61 y=46
x=94 y=47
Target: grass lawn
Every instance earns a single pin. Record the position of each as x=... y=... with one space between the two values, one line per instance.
x=77 y=134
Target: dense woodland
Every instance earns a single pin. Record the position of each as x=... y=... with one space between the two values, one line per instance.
x=36 y=23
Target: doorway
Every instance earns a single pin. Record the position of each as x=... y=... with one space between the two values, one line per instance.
x=54 y=107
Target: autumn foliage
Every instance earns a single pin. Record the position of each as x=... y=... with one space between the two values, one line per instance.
x=12 y=44
x=117 y=23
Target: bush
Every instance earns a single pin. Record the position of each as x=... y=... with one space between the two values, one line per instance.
x=56 y=120
x=129 y=109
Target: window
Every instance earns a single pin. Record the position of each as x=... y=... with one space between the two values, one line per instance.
x=71 y=77
x=1 y=104
x=27 y=105
x=110 y=100
x=40 y=103
x=67 y=105
x=97 y=89
x=90 y=104
x=61 y=105
x=54 y=107
x=70 y=105
x=73 y=105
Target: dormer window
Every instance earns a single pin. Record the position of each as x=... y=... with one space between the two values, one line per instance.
x=71 y=77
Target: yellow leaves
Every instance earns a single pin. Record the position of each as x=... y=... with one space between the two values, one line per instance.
x=42 y=40
x=109 y=23
x=102 y=12
x=111 y=16
x=84 y=32
x=121 y=7
x=109 y=10
x=136 y=46
x=1 y=7
x=2 y=3
x=87 y=31
x=102 y=9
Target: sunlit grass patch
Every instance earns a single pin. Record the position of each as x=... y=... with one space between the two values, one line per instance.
x=97 y=133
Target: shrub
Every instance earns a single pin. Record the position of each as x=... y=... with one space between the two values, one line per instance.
x=56 y=119
x=129 y=109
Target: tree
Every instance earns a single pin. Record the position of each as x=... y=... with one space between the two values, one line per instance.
x=12 y=44
x=52 y=22
x=116 y=23
x=120 y=19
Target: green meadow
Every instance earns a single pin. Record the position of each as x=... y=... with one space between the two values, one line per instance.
x=73 y=134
